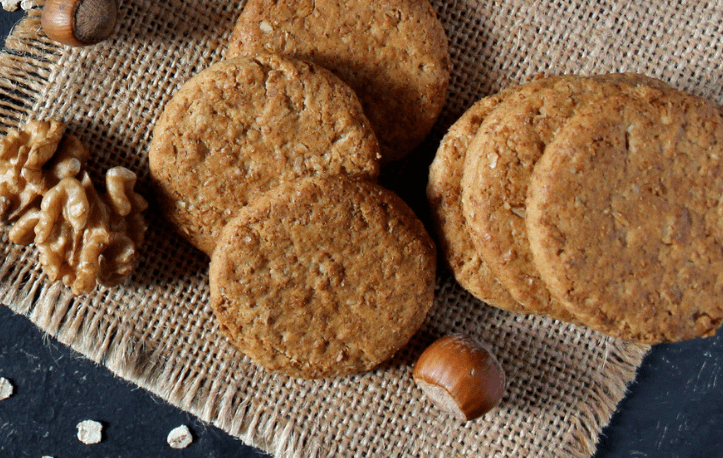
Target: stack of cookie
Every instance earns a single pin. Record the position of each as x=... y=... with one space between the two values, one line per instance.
x=595 y=200
x=267 y=162
x=268 y=165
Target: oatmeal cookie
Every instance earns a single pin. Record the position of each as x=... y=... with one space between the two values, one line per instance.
x=324 y=277
x=394 y=54
x=625 y=216
x=243 y=126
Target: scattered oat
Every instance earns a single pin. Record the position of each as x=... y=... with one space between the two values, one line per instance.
x=90 y=432
x=30 y=4
x=6 y=388
x=180 y=437
x=10 y=5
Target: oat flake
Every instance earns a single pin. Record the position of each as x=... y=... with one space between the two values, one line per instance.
x=180 y=437
x=6 y=388
x=90 y=432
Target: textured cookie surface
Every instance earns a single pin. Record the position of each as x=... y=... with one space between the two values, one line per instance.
x=624 y=216
x=497 y=171
x=444 y=195
x=243 y=126
x=393 y=54
x=323 y=277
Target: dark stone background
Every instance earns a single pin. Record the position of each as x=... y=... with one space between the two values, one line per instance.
x=674 y=408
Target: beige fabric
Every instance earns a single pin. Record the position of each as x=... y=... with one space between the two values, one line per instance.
x=157 y=329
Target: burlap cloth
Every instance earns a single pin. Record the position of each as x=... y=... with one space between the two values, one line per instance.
x=157 y=329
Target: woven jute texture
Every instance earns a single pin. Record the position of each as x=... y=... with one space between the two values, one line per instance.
x=157 y=329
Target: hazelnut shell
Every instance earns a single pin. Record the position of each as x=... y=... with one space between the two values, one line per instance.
x=79 y=22
x=460 y=376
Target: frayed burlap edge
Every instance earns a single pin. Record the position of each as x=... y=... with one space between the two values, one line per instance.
x=66 y=318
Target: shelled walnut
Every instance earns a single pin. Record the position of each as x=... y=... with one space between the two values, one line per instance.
x=32 y=161
x=84 y=237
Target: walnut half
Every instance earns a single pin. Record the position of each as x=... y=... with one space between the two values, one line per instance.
x=84 y=237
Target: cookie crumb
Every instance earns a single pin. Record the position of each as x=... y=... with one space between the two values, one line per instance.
x=180 y=437
x=6 y=388
x=90 y=432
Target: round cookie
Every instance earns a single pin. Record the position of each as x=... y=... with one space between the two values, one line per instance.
x=625 y=216
x=395 y=56
x=444 y=195
x=498 y=167
x=327 y=276
x=243 y=126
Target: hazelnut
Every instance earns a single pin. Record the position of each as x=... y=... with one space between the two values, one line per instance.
x=79 y=22
x=460 y=376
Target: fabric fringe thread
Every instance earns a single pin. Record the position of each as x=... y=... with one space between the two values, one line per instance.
x=595 y=411
x=28 y=57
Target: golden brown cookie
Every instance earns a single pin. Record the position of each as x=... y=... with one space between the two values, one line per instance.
x=497 y=170
x=444 y=195
x=625 y=216
x=394 y=55
x=324 y=277
x=243 y=126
